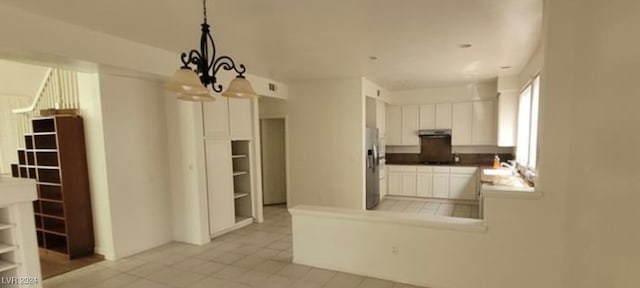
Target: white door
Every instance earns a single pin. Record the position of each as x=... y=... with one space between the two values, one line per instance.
x=215 y=115
x=428 y=116
x=274 y=188
x=462 y=124
x=393 y=125
x=425 y=185
x=440 y=185
x=240 y=119
x=484 y=123
x=463 y=186
x=410 y=122
x=443 y=116
x=409 y=184
x=395 y=183
x=219 y=185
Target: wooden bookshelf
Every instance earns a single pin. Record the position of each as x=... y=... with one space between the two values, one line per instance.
x=55 y=156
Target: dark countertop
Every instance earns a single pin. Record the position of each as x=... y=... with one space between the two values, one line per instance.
x=424 y=164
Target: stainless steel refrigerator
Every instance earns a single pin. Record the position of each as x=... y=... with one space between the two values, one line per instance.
x=372 y=168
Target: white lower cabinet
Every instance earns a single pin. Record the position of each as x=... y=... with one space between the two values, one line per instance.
x=425 y=184
x=463 y=186
x=433 y=181
x=408 y=184
x=441 y=185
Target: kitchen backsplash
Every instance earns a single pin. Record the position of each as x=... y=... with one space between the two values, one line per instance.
x=454 y=149
x=480 y=159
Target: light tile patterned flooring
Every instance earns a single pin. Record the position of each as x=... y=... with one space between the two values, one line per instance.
x=258 y=255
x=429 y=207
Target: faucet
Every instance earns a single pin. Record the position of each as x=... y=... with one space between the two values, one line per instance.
x=511 y=165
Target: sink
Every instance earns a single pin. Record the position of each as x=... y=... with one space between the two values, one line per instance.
x=512 y=181
x=497 y=172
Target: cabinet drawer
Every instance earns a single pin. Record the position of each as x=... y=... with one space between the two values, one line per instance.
x=464 y=170
x=441 y=169
x=400 y=168
x=425 y=169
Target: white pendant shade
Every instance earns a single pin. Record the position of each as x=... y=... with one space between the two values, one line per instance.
x=196 y=98
x=187 y=85
x=240 y=87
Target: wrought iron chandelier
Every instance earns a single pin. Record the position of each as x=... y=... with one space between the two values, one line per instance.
x=191 y=84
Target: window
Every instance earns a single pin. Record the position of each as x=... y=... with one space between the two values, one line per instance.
x=527 y=141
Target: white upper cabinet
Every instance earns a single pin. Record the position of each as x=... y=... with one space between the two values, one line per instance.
x=393 y=125
x=507 y=118
x=410 y=122
x=443 y=116
x=215 y=115
x=427 y=116
x=240 y=119
x=462 y=125
x=484 y=123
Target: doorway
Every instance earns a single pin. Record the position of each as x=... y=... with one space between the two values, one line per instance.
x=274 y=169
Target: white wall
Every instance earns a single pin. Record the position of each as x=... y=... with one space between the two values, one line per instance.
x=326 y=124
x=520 y=247
x=591 y=61
x=136 y=153
x=91 y=112
x=186 y=169
x=270 y=107
x=447 y=94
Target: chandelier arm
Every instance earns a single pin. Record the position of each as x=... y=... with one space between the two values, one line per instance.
x=226 y=63
x=192 y=58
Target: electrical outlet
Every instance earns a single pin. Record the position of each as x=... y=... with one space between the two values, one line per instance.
x=395 y=250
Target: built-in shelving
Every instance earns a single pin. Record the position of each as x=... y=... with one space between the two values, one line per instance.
x=5 y=266
x=238 y=173
x=242 y=188
x=4 y=226
x=4 y=248
x=240 y=195
x=55 y=156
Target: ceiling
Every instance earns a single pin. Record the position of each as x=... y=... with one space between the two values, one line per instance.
x=416 y=42
x=19 y=79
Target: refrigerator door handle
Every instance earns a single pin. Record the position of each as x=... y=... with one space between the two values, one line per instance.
x=376 y=157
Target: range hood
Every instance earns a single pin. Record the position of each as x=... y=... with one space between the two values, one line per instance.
x=434 y=132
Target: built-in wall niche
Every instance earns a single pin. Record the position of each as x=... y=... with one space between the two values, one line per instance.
x=7 y=244
x=242 y=192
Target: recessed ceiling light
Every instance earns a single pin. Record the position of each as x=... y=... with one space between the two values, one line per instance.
x=505 y=67
x=373 y=58
x=465 y=45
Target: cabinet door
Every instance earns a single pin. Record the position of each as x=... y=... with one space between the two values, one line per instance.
x=409 y=184
x=507 y=118
x=410 y=119
x=463 y=186
x=425 y=185
x=215 y=115
x=443 y=116
x=462 y=126
x=395 y=183
x=393 y=125
x=484 y=123
x=380 y=118
x=240 y=119
x=440 y=185
x=428 y=116
x=219 y=185
x=383 y=187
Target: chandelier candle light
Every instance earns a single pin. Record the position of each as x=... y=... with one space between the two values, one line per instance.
x=191 y=84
